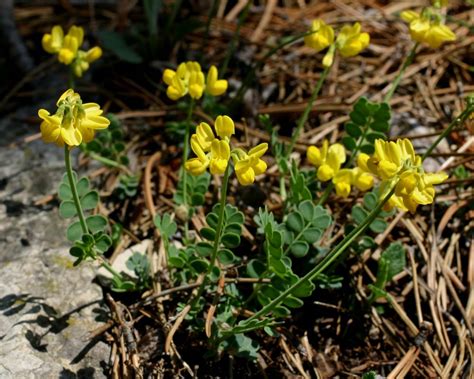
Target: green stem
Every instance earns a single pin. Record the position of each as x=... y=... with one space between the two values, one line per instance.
x=217 y=240
x=457 y=121
x=327 y=260
x=71 y=82
x=108 y=162
x=72 y=185
x=185 y=158
x=408 y=61
x=110 y=269
x=307 y=110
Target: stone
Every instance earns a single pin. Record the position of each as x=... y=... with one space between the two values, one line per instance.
x=47 y=306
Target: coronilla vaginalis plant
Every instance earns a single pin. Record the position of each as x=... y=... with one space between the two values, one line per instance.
x=235 y=294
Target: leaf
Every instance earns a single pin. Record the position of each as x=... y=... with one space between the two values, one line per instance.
x=378 y=225
x=367 y=149
x=349 y=142
x=165 y=224
x=208 y=233
x=199 y=265
x=90 y=200
x=82 y=186
x=204 y=249
x=67 y=209
x=353 y=130
x=371 y=137
x=64 y=192
x=236 y=218
x=96 y=223
x=299 y=248
x=360 y=105
x=358 y=118
x=226 y=257
x=295 y=222
x=74 y=231
x=277 y=266
x=230 y=240
x=255 y=268
x=212 y=220
x=293 y=302
x=358 y=214
x=370 y=200
x=103 y=243
x=395 y=257
x=380 y=126
x=306 y=209
x=116 y=43
x=311 y=235
x=305 y=289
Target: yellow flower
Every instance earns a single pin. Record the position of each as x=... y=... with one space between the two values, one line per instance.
x=189 y=78
x=84 y=58
x=53 y=42
x=358 y=176
x=224 y=127
x=214 y=86
x=322 y=36
x=328 y=160
x=427 y=29
x=350 y=41
x=73 y=122
x=396 y=162
x=220 y=155
x=68 y=48
x=248 y=166
x=196 y=166
x=204 y=136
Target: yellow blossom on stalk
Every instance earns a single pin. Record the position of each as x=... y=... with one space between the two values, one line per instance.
x=350 y=41
x=214 y=86
x=358 y=177
x=427 y=28
x=328 y=159
x=73 y=122
x=213 y=151
x=322 y=36
x=396 y=162
x=67 y=47
x=248 y=166
x=189 y=78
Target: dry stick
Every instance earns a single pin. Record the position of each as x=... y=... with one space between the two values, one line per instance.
x=416 y=289
x=406 y=362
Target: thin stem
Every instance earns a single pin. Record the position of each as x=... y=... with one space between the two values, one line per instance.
x=71 y=82
x=72 y=185
x=185 y=157
x=327 y=260
x=408 y=61
x=457 y=121
x=110 y=269
x=109 y=162
x=217 y=240
x=210 y=16
x=307 y=110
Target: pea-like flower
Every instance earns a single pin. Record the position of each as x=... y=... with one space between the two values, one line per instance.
x=213 y=151
x=73 y=122
x=215 y=86
x=427 y=28
x=248 y=166
x=327 y=160
x=189 y=79
x=396 y=162
x=67 y=48
x=358 y=176
x=321 y=37
x=350 y=41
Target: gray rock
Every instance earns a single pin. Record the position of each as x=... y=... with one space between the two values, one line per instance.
x=47 y=306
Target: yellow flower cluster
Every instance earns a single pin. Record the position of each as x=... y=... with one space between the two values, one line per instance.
x=349 y=42
x=67 y=47
x=392 y=162
x=73 y=122
x=329 y=160
x=396 y=162
x=214 y=152
x=189 y=78
x=427 y=28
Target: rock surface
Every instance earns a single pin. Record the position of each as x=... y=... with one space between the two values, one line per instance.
x=47 y=306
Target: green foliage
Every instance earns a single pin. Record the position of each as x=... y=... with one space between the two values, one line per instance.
x=128 y=186
x=140 y=265
x=391 y=262
x=299 y=186
x=368 y=121
x=370 y=375
x=109 y=143
x=117 y=44
x=196 y=186
x=165 y=225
